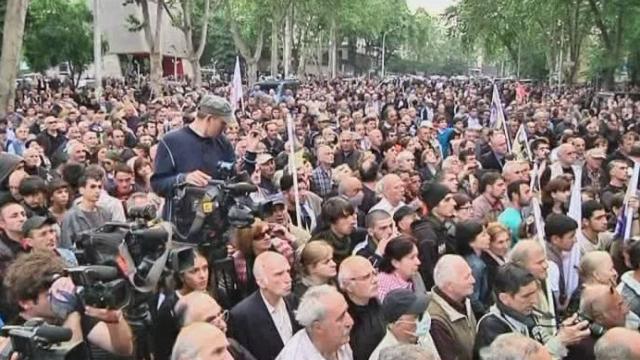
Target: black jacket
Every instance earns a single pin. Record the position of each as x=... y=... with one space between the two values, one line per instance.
x=434 y=240
x=251 y=325
x=490 y=162
x=368 y=328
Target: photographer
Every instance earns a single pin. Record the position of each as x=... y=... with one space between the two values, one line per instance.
x=33 y=282
x=515 y=311
x=191 y=154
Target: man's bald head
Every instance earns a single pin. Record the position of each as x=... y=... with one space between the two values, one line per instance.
x=198 y=306
x=201 y=340
x=350 y=266
x=618 y=344
x=349 y=186
x=604 y=305
x=265 y=261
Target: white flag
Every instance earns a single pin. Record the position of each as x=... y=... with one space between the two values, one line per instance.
x=236 y=86
x=497 y=120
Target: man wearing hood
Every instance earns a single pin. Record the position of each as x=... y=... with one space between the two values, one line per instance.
x=10 y=165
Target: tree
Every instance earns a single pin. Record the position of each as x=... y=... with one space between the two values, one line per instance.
x=192 y=18
x=252 y=15
x=63 y=25
x=12 y=36
x=153 y=38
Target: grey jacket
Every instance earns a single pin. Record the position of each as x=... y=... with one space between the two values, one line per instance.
x=75 y=222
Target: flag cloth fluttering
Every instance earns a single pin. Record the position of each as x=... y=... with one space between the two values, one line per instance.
x=497 y=119
x=236 y=87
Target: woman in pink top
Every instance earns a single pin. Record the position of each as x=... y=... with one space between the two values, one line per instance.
x=399 y=267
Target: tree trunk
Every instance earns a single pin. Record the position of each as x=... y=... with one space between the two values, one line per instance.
x=154 y=41
x=275 y=27
x=333 y=48
x=197 y=72
x=288 y=34
x=252 y=71
x=13 y=33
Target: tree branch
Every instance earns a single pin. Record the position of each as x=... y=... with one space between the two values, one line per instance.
x=203 y=31
x=597 y=16
x=259 y=43
x=171 y=16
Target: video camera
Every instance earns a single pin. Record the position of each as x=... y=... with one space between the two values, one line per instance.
x=141 y=250
x=37 y=340
x=202 y=215
x=100 y=286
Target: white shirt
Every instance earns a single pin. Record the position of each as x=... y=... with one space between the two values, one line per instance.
x=301 y=348
x=385 y=205
x=280 y=318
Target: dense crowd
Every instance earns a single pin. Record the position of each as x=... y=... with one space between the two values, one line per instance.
x=401 y=221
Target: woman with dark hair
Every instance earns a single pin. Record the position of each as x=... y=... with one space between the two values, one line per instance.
x=472 y=240
x=251 y=242
x=555 y=196
x=143 y=170
x=399 y=267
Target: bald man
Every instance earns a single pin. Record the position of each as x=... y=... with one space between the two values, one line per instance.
x=267 y=307
x=351 y=188
x=201 y=341
x=618 y=344
x=358 y=281
x=198 y=307
x=392 y=188
x=567 y=157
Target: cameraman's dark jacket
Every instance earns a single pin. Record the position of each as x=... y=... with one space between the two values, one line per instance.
x=182 y=151
x=502 y=320
x=434 y=240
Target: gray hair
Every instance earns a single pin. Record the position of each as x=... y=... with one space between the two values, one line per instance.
x=520 y=252
x=312 y=308
x=611 y=350
x=185 y=346
x=406 y=352
x=444 y=270
x=510 y=346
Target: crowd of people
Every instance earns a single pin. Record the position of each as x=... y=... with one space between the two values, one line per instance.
x=398 y=222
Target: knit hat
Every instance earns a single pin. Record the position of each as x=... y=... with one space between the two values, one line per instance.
x=432 y=193
x=467 y=231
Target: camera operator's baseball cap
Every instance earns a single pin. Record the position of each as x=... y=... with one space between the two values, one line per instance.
x=403 y=302
x=217 y=106
x=596 y=154
x=263 y=158
x=36 y=222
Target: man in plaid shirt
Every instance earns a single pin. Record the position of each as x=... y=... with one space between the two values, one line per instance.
x=321 y=182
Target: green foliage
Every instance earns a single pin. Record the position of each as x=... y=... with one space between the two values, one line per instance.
x=58 y=31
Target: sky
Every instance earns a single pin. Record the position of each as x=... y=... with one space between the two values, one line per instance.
x=434 y=7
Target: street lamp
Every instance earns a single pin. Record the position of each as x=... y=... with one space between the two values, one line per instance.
x=384 y=38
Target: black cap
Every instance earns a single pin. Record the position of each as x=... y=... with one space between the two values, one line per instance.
x=404 y=210
x=402 y=302
x=432 y=193
x=36 y=222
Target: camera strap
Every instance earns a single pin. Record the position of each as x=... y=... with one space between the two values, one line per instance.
x=154 y=274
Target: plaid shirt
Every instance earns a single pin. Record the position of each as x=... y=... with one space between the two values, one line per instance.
x=321 y=182
x=390 y=282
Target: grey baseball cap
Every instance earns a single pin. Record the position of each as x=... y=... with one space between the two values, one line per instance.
x=217 y=106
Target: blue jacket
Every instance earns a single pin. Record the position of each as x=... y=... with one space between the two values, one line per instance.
x=182 y=151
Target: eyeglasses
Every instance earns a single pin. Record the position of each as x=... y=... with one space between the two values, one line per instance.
x=366 y=277
x=224 y=315
x=261 y=235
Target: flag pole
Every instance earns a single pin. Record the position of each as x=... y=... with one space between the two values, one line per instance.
x=537 y=216
x=292 y=169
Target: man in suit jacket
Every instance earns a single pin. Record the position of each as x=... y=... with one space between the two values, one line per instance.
x=494 y=159
x=264 y=321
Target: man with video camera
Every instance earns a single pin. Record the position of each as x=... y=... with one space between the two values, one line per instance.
x=515 y=310
x=193 y=153
x=36 y=283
